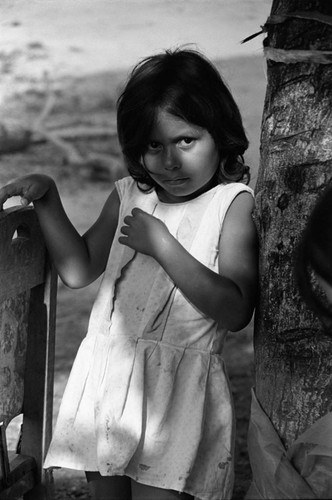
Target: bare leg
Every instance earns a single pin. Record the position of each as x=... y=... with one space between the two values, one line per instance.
x=144 y=492
x=108 y=487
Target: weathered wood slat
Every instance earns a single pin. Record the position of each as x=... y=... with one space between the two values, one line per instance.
x=27 y=337
x=13 y=344
x=22 y=252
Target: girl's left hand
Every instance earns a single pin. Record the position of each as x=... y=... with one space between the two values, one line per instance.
x=144 y=233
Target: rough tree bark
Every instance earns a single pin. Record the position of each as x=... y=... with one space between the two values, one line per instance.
x=293 y=355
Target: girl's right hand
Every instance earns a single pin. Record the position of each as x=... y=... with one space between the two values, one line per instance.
x=79 y=260
x=30 y=187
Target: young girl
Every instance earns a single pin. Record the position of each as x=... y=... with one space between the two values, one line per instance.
x=314 y=263
x=147 y=411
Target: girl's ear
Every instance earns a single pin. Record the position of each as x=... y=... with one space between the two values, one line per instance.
x=222 y=162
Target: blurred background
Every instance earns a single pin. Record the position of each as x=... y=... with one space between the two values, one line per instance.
x=62 y=66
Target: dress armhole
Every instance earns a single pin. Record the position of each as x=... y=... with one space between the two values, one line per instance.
x=228 y=197
x=122 y=186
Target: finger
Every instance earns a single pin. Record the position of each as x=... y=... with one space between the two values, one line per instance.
x=123 y=241
x=124 y=230
x=13 y=189
x=128 y=219
x=136 y=211
x=5 y=193
x=3 y=198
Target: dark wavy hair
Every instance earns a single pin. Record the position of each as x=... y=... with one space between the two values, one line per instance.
x=187 y=85
x=314 y=257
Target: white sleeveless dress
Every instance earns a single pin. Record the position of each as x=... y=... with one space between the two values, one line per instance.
x=148 y=396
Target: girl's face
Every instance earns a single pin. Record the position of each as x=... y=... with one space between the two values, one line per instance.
x=181 y=158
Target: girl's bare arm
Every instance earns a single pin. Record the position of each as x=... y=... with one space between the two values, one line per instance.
x=79 y=260
x=228 y=297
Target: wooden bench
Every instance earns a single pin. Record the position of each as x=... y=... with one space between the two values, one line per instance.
x=27 y=337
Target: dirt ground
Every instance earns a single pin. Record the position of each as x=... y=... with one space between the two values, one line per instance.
x=88 y=100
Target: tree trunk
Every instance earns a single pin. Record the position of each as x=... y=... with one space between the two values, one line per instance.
x=293 y=354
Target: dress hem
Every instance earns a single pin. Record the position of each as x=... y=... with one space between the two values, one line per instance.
x=149 y=483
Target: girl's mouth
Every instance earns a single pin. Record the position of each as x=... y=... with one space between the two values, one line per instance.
x=176 y=182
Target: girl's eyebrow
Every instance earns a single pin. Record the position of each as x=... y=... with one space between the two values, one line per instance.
x=177 y=138
x=185 y=133
x=183 y=136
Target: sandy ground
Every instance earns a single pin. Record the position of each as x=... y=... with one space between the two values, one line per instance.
x=67 y=37
x=82 y=51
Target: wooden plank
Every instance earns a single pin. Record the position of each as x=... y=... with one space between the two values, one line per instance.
x=50 y=300
x=38 y=397
x=13 y=343
x=27 y=344
x=19 y=466
x=34 y=394
x=19 y=489
x=22 y=258
x=4 y=459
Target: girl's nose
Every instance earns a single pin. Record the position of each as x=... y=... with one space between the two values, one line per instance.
x=171 y=159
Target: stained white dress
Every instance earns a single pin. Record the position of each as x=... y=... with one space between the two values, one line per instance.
x=148 y=395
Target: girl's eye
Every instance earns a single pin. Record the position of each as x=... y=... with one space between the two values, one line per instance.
x=187 y=141
x=153 y=146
